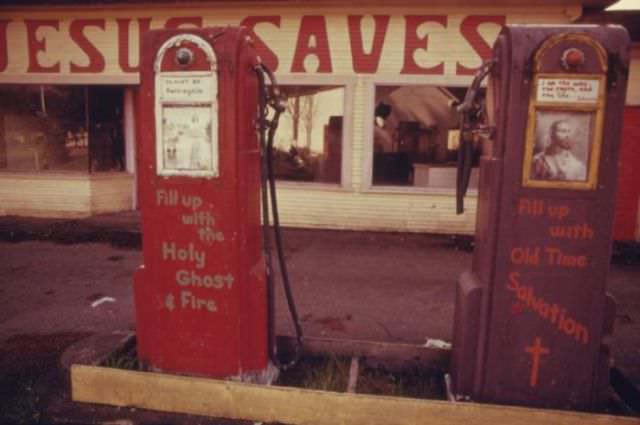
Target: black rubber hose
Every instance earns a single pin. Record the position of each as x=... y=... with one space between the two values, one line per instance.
x=266 y=235
x=279 y=244
x=279 y=108
x=269 y=177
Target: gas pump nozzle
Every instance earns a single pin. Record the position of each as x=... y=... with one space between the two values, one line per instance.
x=471 y=125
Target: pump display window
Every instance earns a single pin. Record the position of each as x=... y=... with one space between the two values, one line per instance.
x=415 y=136
x=308 y=143
x=61 y=128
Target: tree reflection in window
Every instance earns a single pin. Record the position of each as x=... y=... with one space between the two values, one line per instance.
x=61 y=128
x=308 y=143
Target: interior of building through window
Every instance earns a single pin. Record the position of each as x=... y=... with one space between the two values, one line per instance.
x=61 y=128
x=415 y=136
x=37 y=126
x=308 y=143
x=106 y=133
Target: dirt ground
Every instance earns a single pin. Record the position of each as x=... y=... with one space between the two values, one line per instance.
x=372 y=286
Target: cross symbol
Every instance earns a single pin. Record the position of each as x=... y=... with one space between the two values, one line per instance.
x=536 y=350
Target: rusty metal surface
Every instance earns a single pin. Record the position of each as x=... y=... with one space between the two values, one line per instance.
x=543 y=267
x=201 y=294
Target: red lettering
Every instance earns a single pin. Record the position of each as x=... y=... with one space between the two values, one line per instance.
x=312 y=40
x=36 y=46
x=413 y=42
x=514 y=281
x=76 y=31
x=144 y=24
x=536 y=351
x=367 y=62
x=173 y=23
x=469 y=29
x=266 y=54
x=4 y=45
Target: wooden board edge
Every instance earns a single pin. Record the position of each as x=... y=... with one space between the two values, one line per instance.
x=234 y=400
x=391 y=355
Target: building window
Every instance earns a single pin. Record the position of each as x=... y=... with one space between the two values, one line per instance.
x=61 y=128
x=415 y=135
x=308 y=143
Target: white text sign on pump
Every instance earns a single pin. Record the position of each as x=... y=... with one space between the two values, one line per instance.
x=186 y=115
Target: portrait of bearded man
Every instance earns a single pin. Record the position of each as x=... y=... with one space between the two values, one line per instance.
x=558 y=161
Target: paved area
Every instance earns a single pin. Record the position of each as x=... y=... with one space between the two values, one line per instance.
x=61 y=281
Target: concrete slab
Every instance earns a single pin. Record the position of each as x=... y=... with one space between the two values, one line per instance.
x=386 y=287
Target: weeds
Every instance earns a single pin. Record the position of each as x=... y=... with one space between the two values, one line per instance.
x=332 y=374
x=318 y=373
x=417 y=382
x=122 y=360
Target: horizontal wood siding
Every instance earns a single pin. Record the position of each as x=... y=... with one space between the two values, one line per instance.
x=64 y=196
x=374 y=211
x=111 y=193
x=52 y=195
x=354 y=205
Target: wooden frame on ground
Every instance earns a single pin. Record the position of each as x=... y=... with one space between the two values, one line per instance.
x=233 y=400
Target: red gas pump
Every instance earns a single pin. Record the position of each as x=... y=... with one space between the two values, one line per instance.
x=533 y=315
x=202 y=296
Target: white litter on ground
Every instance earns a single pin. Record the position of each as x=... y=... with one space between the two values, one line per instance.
x=437 y=343
x=102 y=300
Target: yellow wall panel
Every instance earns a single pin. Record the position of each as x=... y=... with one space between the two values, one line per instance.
x=44 y=196
x=111 y=193
x=404 y=212
x=63 y=196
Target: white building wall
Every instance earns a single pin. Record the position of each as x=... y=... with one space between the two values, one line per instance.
x=354 y=204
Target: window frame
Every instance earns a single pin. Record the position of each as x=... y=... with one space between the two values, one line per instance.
x=368 y=115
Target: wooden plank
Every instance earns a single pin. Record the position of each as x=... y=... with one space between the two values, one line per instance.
x=224 y=399
x=392 y=356
x=353 y=374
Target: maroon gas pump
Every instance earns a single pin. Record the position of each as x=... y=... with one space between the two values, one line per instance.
x=532 y=316
x=202 y=299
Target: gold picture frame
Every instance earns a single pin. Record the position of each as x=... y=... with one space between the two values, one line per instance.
x=564 y=136
x=565 y=123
